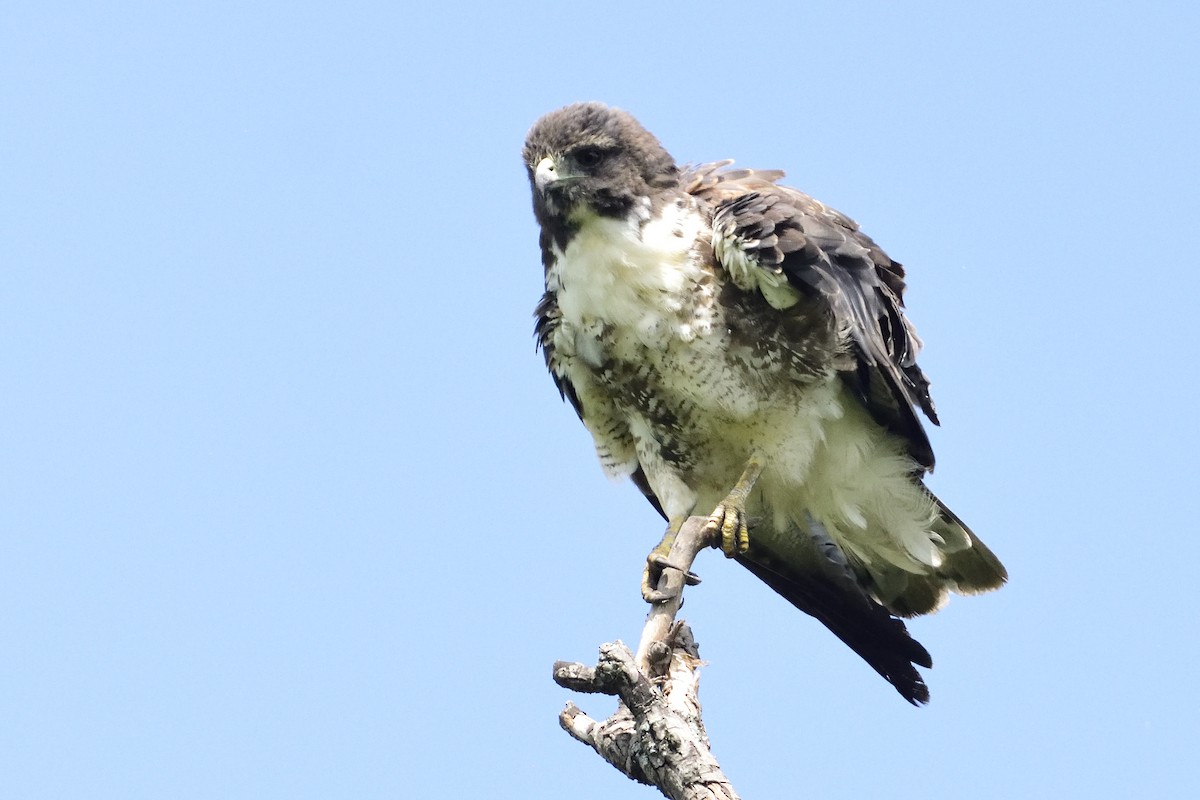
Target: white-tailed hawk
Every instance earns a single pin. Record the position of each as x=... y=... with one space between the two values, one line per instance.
x=741 y=350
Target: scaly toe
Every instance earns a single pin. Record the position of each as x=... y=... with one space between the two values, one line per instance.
x=735 y=533
x=650 y=580
x=729 y=535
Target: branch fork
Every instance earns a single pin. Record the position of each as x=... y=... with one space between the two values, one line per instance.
x=656 y=736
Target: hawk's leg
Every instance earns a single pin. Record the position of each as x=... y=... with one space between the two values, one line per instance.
x=729 y=521
x=657 y=561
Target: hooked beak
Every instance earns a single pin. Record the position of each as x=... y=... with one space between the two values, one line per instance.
x=548 y=174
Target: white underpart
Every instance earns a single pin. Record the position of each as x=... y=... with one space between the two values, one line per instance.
x=630 y=273
x=622 y=285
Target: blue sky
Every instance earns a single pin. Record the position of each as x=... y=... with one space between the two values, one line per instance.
x=289 y=508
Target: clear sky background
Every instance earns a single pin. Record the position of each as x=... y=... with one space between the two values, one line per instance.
x=289 y=507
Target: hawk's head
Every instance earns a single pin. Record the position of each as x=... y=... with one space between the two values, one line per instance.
x=589 y=157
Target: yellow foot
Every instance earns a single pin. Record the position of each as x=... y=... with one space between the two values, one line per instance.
x=730 y=521
x=654 y=589
x=730 y=524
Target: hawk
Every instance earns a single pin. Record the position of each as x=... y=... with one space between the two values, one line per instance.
x=740 y=350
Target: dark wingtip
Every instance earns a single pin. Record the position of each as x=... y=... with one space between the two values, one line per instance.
x=911 y=685
x=867 y=628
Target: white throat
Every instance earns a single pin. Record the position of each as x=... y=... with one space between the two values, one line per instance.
x=632 y=272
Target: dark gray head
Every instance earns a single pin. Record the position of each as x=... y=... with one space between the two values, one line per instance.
x=590 y=156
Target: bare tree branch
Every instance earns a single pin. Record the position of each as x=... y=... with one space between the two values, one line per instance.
x=656 y=736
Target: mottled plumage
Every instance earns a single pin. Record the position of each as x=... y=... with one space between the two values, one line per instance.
x=698 y=318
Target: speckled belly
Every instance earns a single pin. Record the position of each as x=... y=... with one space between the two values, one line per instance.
x=698 y=410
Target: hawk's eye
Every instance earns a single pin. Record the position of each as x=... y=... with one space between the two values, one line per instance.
x=588 y=157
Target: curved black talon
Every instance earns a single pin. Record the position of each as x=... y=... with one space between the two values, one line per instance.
x=656 y=566
x=662 y=562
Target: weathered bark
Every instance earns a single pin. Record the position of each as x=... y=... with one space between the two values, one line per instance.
x=656 y=736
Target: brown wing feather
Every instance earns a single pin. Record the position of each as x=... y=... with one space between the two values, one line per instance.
x=822 y=252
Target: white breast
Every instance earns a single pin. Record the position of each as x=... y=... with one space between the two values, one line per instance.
x=635 y=274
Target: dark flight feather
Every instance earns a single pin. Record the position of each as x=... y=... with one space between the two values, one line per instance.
x=822 y=252
x=829 y=590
